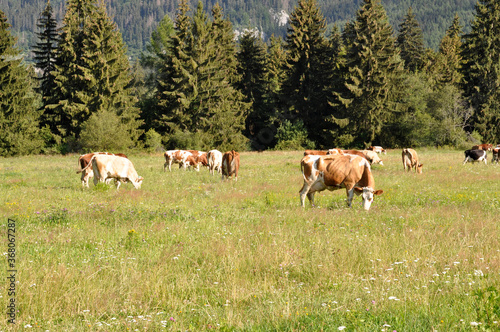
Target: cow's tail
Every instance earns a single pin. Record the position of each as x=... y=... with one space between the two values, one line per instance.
x=88 y=165
x=80 y=164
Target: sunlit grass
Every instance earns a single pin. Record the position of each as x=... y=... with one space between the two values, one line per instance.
x=189 y=252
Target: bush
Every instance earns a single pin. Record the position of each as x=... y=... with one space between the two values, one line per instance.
x=152 y=141
x=293 y=136
x=104 y=131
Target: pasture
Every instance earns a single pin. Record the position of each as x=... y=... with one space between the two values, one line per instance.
x=188 y=252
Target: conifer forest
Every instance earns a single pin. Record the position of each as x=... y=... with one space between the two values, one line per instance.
x=203 y=75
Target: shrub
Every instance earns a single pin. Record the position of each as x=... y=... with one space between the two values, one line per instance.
x=293 y=136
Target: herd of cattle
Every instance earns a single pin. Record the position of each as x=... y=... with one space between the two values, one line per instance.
x=321 y=169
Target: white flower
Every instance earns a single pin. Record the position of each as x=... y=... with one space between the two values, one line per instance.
x=474 y=323
x=478 y=273
x=341 y=328
x=27 y=326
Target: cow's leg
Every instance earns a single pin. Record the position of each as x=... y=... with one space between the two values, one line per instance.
x=303 y=192
x=118 y=183
x=466 y=159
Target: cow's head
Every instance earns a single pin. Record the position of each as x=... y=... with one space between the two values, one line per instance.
x=419 y=168
x=137 y=184
x=367 y=195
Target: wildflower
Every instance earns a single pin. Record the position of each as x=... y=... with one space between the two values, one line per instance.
x=172 y=319
x=478 y=273
x=341 y=328
x=474 y=323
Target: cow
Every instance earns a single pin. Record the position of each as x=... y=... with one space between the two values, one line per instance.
x=214 y=158
x=410 y=160
x=200 y=158
x=496 y=152
x=372 y=157
x=114 y=167
x=486 y=147
x=181 y=157
x=87 y=172
x=475 y=155
x=377 y=149
x=315 y=152
x=230 y=164
x=335 y=172
x=334 y=151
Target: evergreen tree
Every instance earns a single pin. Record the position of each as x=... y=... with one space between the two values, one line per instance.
x=45 y=57
x=449 y=59
x=92 y=73
x=252 y=68
x=410 y=41
x=308 y=68
x=372 y=81
x=481 y=68
x=18 y=111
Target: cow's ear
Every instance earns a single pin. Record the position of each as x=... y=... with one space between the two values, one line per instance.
x=378 y=192
x=358 y=190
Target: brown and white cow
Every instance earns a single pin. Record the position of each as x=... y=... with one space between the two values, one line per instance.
x=230 y=165
x=315 y=152
x=200 y=158
x=114 y=167
x=371 y=156
x=181 y=157
x=377 y=149
x=486 y=147
x=410 y=160
x=335 y=172
x=214 y=158
x=496 y=157
x=87 y=172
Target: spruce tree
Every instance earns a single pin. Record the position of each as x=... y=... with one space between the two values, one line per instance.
x=410 y=41
x=449 y=59
x=308 y=68
x=45 y=57
x=18 y=110
x=92 y=73
x=481 y=68
x=372 y=80
x=252 y=68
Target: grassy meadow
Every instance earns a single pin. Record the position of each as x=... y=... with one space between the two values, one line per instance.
x=188 y=252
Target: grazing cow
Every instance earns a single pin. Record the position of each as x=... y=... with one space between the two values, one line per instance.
x=230 y=164
x=335 y=172
x=475 y=155
x=377 y=149
x=214 y=161
x=486 y=147
x=496 y=152
x=113 y=167
x=334 y=151
x=410 y=160
x=200 y=158
x=315 y=152
x=87 y=172
x=181 y=157
x=372 y=157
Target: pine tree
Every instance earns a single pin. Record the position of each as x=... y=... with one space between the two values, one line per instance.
x=410 y=41
x=92 y=73
x=481 y=68
x=373 y=78
x=45 y=57
x=309 y=68
x=449 y=59
x=252 y=68
x=18 y=110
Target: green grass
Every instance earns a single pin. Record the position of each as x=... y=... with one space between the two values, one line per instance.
x=189 y=252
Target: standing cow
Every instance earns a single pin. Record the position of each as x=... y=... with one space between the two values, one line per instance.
x=87 y=172
x=475 y=155
x=410 y=160
x=496 y=152
x=181 y=157
x=335 y=172
x=230 y=164
x=214 y=159
x=113 y=167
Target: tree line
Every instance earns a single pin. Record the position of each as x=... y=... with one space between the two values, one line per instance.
x=196 y=87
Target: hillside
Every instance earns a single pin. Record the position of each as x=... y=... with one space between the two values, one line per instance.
x=137 y=19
